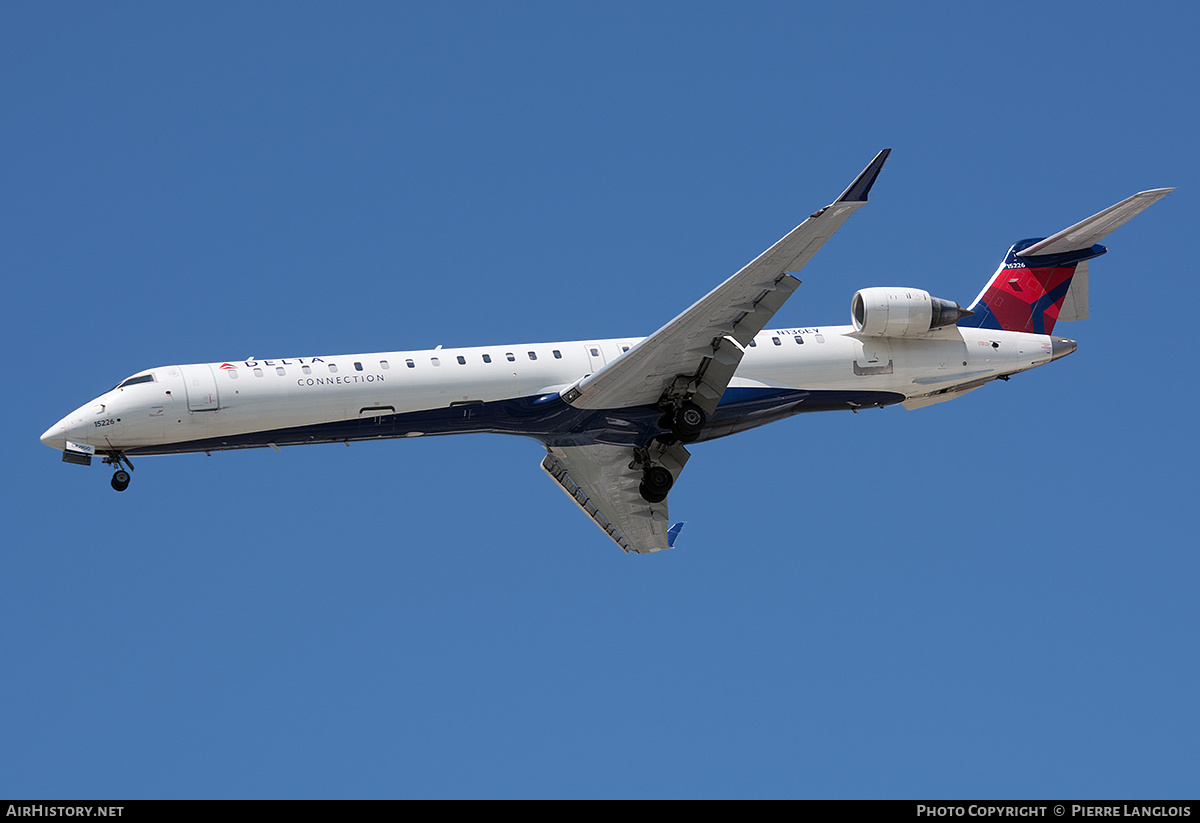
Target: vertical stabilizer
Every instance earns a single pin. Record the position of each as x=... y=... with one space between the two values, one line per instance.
x=1044 y=280
x=1027 y=293
x=1075 y=304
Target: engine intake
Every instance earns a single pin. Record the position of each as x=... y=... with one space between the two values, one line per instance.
x=887 y=311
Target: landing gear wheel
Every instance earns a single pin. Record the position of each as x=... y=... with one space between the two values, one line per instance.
x=656 y=483
x=114 y=458
x=688 y=422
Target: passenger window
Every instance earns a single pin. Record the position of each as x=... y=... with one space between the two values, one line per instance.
x=435 y=361
x=799 y=340
x=306 y=369
x=333 y=368
x=410 y=364
x=557 y=354
x=232 y=374
x=280 y=370
x=358 y=366
x=753 y=343
x=462 y=361
x=383 y=364
x=258 y=372
x=624 y=349
x=511 y=357
x=820 y=338
x=533 y=355
x=487 y=358
x=595 y=352
x=775 y=340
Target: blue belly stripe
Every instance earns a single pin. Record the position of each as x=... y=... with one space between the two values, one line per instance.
x=547 y=419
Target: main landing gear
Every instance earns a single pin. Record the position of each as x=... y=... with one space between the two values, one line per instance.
x=120 y=478
x=656 y=484
x=685 y=421
x=661 y=459
x=657 y=478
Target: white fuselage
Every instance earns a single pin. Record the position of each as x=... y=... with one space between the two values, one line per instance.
x=514 y=389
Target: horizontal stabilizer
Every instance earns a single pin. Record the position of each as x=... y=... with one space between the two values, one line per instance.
x=1087 y=232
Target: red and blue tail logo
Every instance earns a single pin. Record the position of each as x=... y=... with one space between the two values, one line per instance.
x=1026 y=293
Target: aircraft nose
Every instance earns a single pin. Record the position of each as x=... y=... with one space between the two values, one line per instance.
x=56 y=436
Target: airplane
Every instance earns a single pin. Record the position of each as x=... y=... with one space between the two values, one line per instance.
x=616 y=416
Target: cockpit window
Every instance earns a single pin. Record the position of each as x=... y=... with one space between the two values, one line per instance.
x=133 y=381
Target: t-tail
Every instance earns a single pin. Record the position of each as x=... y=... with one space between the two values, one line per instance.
x=1042 y=281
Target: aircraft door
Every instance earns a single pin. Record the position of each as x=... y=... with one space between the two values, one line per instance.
x=201 y=388
x=873 y=355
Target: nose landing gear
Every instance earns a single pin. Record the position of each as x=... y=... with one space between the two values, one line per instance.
x=120 y=478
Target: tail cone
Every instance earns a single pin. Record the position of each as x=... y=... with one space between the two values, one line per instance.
x=1061 y=347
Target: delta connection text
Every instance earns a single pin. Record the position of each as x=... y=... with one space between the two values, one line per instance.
x=1074 y=810
x=332 y=380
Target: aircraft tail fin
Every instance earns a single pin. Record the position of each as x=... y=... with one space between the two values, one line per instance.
x=1042 y=281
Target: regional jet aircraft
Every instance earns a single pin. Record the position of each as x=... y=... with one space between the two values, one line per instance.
x=614 y=415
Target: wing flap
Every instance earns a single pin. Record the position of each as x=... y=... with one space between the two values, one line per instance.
x=763 y=309
x=715 y=374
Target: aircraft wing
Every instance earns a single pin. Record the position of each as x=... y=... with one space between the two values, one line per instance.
x=602 y=482
x=696 y=352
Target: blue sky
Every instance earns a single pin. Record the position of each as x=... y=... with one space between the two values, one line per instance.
x=993 y=597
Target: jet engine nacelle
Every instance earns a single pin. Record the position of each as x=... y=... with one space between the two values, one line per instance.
x=887 y=311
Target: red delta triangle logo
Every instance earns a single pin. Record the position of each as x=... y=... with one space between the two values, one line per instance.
x=228 y=366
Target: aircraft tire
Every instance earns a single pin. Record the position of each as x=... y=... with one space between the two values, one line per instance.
x=689 y=422
x=120 y=480
x=649 y=496
x=656 y=484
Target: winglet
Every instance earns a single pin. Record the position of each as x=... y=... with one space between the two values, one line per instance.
x=673 y=533
x=857 y=193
